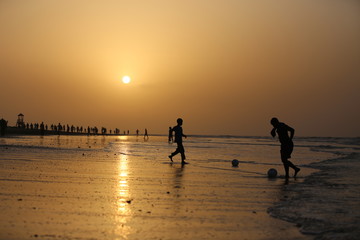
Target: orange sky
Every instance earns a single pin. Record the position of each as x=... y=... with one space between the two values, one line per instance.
x=226 y=67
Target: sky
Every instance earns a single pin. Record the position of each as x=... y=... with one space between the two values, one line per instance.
x=226 y=67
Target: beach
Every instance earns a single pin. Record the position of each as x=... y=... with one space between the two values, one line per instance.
x=125 y=187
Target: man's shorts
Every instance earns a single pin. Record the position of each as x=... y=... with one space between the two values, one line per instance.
x=286 y=150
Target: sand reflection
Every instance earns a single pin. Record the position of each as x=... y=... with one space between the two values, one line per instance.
x=123 y=200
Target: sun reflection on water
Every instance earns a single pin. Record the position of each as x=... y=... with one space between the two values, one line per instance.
x=123 y=200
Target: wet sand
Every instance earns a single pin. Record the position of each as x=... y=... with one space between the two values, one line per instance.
x=327 y=204
x=57 y=194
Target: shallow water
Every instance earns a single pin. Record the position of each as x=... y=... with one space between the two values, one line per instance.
x=96 y=187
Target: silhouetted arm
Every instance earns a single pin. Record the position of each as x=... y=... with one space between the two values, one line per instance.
x=292 y=132
x=273 y=132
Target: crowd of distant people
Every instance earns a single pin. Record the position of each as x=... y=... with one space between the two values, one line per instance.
x=62 y=128
x=68 y=129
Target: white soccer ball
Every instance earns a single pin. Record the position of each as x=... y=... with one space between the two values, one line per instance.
x=272 y=173
x=235 y=162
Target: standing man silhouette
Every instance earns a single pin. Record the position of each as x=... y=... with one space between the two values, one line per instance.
x=287 y=144
x=170 y=135
x=178 y=139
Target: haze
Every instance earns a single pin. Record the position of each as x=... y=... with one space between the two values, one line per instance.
x=225 y=67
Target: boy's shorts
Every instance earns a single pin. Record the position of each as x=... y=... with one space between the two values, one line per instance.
x=286 y=150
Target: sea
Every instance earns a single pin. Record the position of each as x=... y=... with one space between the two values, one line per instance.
x=210 y=192
x=255 y=154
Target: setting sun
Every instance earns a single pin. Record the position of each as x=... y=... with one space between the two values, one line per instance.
x=126 y=79
x=152 y=96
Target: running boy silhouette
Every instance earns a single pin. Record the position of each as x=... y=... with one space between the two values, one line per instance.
x=178 y=139
x=287 y=144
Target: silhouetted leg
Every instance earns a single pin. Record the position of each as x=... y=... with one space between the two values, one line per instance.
x=183 y=157
x=291 y=165
x=180 y=149
x=285 y=152
x=296 y=169
x=286 y=166
x=182 y=152
x=174 y=153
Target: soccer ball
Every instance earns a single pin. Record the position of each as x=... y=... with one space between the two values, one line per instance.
x=235 y=162
x=272 y=173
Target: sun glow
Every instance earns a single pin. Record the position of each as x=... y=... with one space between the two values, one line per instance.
x=126 y=79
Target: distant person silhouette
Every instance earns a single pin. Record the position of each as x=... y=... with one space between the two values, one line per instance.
x=42 y=128
x=287 y=144
x=170 y=135
x=3 y=126
x=178 y=139
x=59 y=128
x=146 y=136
